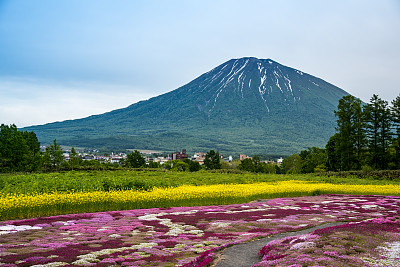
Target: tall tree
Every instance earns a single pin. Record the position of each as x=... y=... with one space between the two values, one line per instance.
x=333 y=157
x=54 y=156
x=19 y=151
x=33 y=154
x=351 y=138
x=379 y=122
x=211 y=160
x=395 y=110
x=74 y=159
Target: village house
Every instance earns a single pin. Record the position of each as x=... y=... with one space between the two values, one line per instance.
x=199 y=157
x=243 y=156
x=180 y=155
x=161 y=160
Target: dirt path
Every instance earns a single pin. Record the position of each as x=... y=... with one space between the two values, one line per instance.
x=246 y=254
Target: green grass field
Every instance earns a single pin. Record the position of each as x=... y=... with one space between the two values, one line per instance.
x=89 y=181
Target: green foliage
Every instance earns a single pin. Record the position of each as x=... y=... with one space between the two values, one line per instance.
x=312 y=158
x=74 y=159
x=176 y=165
x=332 y=153
x=247 y=165
x=365 y=135
x=53 y=157
x=194 y=166
x=154 y=165
x=212 y=160
x=395 y=112
x=377 y=117
x=366 y=175
x=292 y=164
x=254 y=165
x=19 y=151
x=351 y=133
x=135 y=159
x=88 y=181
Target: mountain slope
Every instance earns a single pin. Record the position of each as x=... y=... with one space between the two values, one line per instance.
x=244 y=105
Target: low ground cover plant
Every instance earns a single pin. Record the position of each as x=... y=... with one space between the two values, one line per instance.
x=183 y=236
x=373 y=242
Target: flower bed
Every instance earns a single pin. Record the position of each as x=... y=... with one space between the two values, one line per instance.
x=374 y=242
x=187 y=236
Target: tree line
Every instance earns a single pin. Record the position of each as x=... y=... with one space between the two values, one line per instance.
x=367 y=138
x=20 y=152
x=211 y=162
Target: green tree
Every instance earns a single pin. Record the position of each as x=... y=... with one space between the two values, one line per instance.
x=194 y=166
x=12 y=149
x=247 y=165
x=255 y=165
x=176 y=165
x=270 y=168
x=74 y=159
x=135 y=159
x=33 y=155
x=153 y=164
x=379 y=122
x=54 y=156
x=351 y=138
x=395 y=110
x=19 y=151
x=312 y=158
x=258 y=165
x=211 y=160
x=292 y=164
x=332 y=155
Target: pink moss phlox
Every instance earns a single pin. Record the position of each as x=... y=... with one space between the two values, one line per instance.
x=178 y=234
x=203 y=260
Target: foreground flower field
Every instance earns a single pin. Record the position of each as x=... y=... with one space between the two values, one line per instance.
x=190 y=236
x=374 y=242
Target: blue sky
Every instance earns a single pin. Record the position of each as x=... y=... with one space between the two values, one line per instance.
x=70 y=59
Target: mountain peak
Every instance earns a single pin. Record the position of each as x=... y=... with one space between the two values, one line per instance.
x=245 y=105
x=246 y=77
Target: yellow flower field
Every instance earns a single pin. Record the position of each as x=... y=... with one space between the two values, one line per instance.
x=33 y=205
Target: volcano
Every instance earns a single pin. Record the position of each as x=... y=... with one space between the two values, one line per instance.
x=246 y=105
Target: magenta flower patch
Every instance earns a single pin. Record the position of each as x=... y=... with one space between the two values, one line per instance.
x=190 y=236
x=373 y=242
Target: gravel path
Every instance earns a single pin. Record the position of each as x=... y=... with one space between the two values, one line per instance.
x=246 y=254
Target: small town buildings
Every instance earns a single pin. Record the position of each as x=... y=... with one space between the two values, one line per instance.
x=199 y=157
x=180 y=155
x=88 y=157
x=243 y=156
x=161 y=160
x=115 y=159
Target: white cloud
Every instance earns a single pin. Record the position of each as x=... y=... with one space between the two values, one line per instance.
x=28 y=102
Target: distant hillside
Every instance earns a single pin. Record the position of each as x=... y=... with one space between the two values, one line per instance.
x=245 y=105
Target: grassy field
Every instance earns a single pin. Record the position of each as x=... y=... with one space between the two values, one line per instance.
x=33 y=195
x=90 y=181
